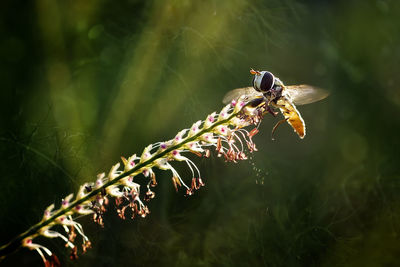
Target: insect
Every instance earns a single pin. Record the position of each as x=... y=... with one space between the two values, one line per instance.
x=269 y=90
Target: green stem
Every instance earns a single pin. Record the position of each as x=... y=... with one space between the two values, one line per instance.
x=15 y=244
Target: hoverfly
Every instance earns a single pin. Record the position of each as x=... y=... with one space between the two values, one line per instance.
x=269 y=90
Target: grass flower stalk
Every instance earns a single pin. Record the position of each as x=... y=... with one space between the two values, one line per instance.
x=224 y=131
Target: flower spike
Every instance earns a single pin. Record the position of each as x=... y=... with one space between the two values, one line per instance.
x=224 y=131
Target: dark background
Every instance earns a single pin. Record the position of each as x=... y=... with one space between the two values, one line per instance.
x=84 y=82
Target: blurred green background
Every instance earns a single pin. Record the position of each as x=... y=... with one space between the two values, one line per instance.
x=84 y=82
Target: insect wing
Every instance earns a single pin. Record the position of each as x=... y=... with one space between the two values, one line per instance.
x=236 y=93
x=304 y=94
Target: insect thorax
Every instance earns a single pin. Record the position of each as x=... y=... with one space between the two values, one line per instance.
x=274 y=94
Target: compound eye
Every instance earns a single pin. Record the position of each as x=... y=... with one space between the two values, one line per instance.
x=267 y=81
x=254 y=83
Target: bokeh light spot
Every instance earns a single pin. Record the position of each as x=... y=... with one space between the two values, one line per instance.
x=95 y=31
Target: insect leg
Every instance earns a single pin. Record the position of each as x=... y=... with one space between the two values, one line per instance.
x=256 y=102
x=275 y=127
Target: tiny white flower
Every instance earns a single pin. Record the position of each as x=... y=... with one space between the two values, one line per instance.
x=162 y=164
x=177 y=156
x=195 y=128
x=66 y=201
x=113 y=190
x=179 y=137
x=209 y=138
x=210 y=120
x=239 y=104
x=222 y=130
x=146 y=154
x=48 y=212
x=114 y=172
x=130 y=162
x=223 y=115
x=194 y=147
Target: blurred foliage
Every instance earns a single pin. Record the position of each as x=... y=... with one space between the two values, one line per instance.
x=84 y=82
